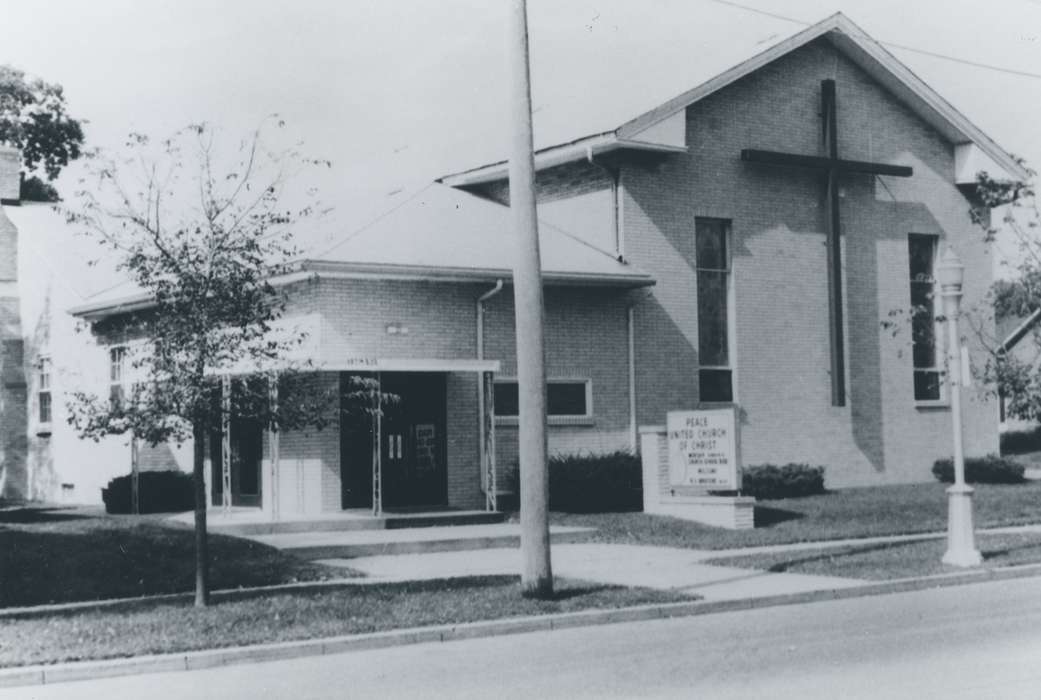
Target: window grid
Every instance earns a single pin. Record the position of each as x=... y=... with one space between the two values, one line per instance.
x=928 y=385
x=117 y=373
x=713 y=269
x=44 y=390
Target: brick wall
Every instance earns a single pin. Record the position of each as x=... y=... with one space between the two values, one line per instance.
x=586 y=338
x=14 y=478
x=779 y=271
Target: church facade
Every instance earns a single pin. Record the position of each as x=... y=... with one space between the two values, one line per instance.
x=767 y=240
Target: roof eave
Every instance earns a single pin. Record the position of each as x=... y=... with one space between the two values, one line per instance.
x=312 y=269
x=580 y=149
x=428 y=273
x=1020 y=331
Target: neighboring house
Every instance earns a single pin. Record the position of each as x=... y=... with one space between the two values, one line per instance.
x=686 y=261
x=1018 y=337
x=48 y=355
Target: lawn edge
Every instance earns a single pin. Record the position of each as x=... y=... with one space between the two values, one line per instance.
x=46 y=674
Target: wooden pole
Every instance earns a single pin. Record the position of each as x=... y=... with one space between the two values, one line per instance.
x=536 y=573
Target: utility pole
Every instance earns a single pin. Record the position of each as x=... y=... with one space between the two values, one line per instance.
x=536 y=573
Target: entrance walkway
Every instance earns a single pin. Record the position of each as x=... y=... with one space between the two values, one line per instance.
x=662 y=568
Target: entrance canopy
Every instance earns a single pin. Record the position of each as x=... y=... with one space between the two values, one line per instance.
x=394 y=364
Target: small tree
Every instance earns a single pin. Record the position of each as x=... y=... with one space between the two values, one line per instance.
x=1015 y=379
x=33 y=119
x=203 y=232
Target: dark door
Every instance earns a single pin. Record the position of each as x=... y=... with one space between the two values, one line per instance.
x=247 y=451
x=356 y=442
x=412 y=445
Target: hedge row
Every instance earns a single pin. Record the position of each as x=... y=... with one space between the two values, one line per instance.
x=768 y=481
x=591 y=483
x=158 y=492
x=991 y=469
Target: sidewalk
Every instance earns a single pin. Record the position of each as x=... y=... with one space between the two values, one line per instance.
x=661 y=568
x=717 y=589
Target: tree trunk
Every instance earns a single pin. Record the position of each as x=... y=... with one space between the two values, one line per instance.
x=202 y=557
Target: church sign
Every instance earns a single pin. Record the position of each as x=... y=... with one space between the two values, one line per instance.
x=703 y=449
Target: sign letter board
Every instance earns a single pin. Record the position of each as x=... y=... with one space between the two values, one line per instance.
x=703 y=449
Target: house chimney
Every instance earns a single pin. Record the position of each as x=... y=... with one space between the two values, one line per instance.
x=10 y=174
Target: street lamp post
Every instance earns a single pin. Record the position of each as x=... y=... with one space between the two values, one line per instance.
x=961 y=538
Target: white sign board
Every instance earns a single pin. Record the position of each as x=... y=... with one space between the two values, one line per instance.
x=703 y=449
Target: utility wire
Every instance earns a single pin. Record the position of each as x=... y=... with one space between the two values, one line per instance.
x=903 y=47
x=377 y=219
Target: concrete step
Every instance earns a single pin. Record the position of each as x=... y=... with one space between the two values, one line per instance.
x=351 y=522
x=365 y=543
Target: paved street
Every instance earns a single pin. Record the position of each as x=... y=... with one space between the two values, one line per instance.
x=979 y=641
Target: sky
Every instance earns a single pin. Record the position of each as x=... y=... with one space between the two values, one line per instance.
x=398 y=92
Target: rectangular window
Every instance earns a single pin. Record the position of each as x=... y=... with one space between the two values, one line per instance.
x=117 y=357
x=712 y=251
x=564 y=397
x=44 y=389
x=922 y=256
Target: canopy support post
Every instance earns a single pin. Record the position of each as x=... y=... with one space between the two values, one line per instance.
x=225 y=433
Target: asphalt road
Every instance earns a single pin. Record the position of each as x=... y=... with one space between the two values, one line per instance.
x=979 y=641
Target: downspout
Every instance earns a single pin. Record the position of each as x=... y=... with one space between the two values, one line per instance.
x=480 y=384
x=616 y=204
x=631 y=328
x=630 y=321
x=634 y=434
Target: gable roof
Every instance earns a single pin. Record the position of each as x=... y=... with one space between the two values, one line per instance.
x=1011 y=335
x=649 y=129
x=441 y=235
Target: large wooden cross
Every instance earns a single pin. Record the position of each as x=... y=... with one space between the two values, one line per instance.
x=831 y=167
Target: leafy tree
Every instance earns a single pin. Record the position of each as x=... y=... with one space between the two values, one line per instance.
x=205 y=231
x=1018 y=380
x=33 y=119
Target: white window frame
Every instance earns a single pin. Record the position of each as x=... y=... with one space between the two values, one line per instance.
x=731 y=366
x=44 y=382
x=939 y=343
x=589 y=418
x=123 y=351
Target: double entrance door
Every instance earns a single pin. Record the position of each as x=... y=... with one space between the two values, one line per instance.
x=411 y=439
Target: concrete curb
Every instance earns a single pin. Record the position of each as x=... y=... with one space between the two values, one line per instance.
x=210 y=658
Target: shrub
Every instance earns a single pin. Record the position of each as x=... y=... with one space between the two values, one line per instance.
x=769 y=481
x=158 y=492
x=991 y=469
x=592 y=483
x=1017 y=442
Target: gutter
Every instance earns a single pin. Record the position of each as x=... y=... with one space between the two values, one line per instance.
x=381 y=271
x=558 y=155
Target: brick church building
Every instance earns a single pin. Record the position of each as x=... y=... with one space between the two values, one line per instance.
x=741 y=243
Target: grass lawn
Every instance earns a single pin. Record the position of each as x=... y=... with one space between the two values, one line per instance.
x=149 y=627
x=55 y=555
x=859 y=512
x=892 y=561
